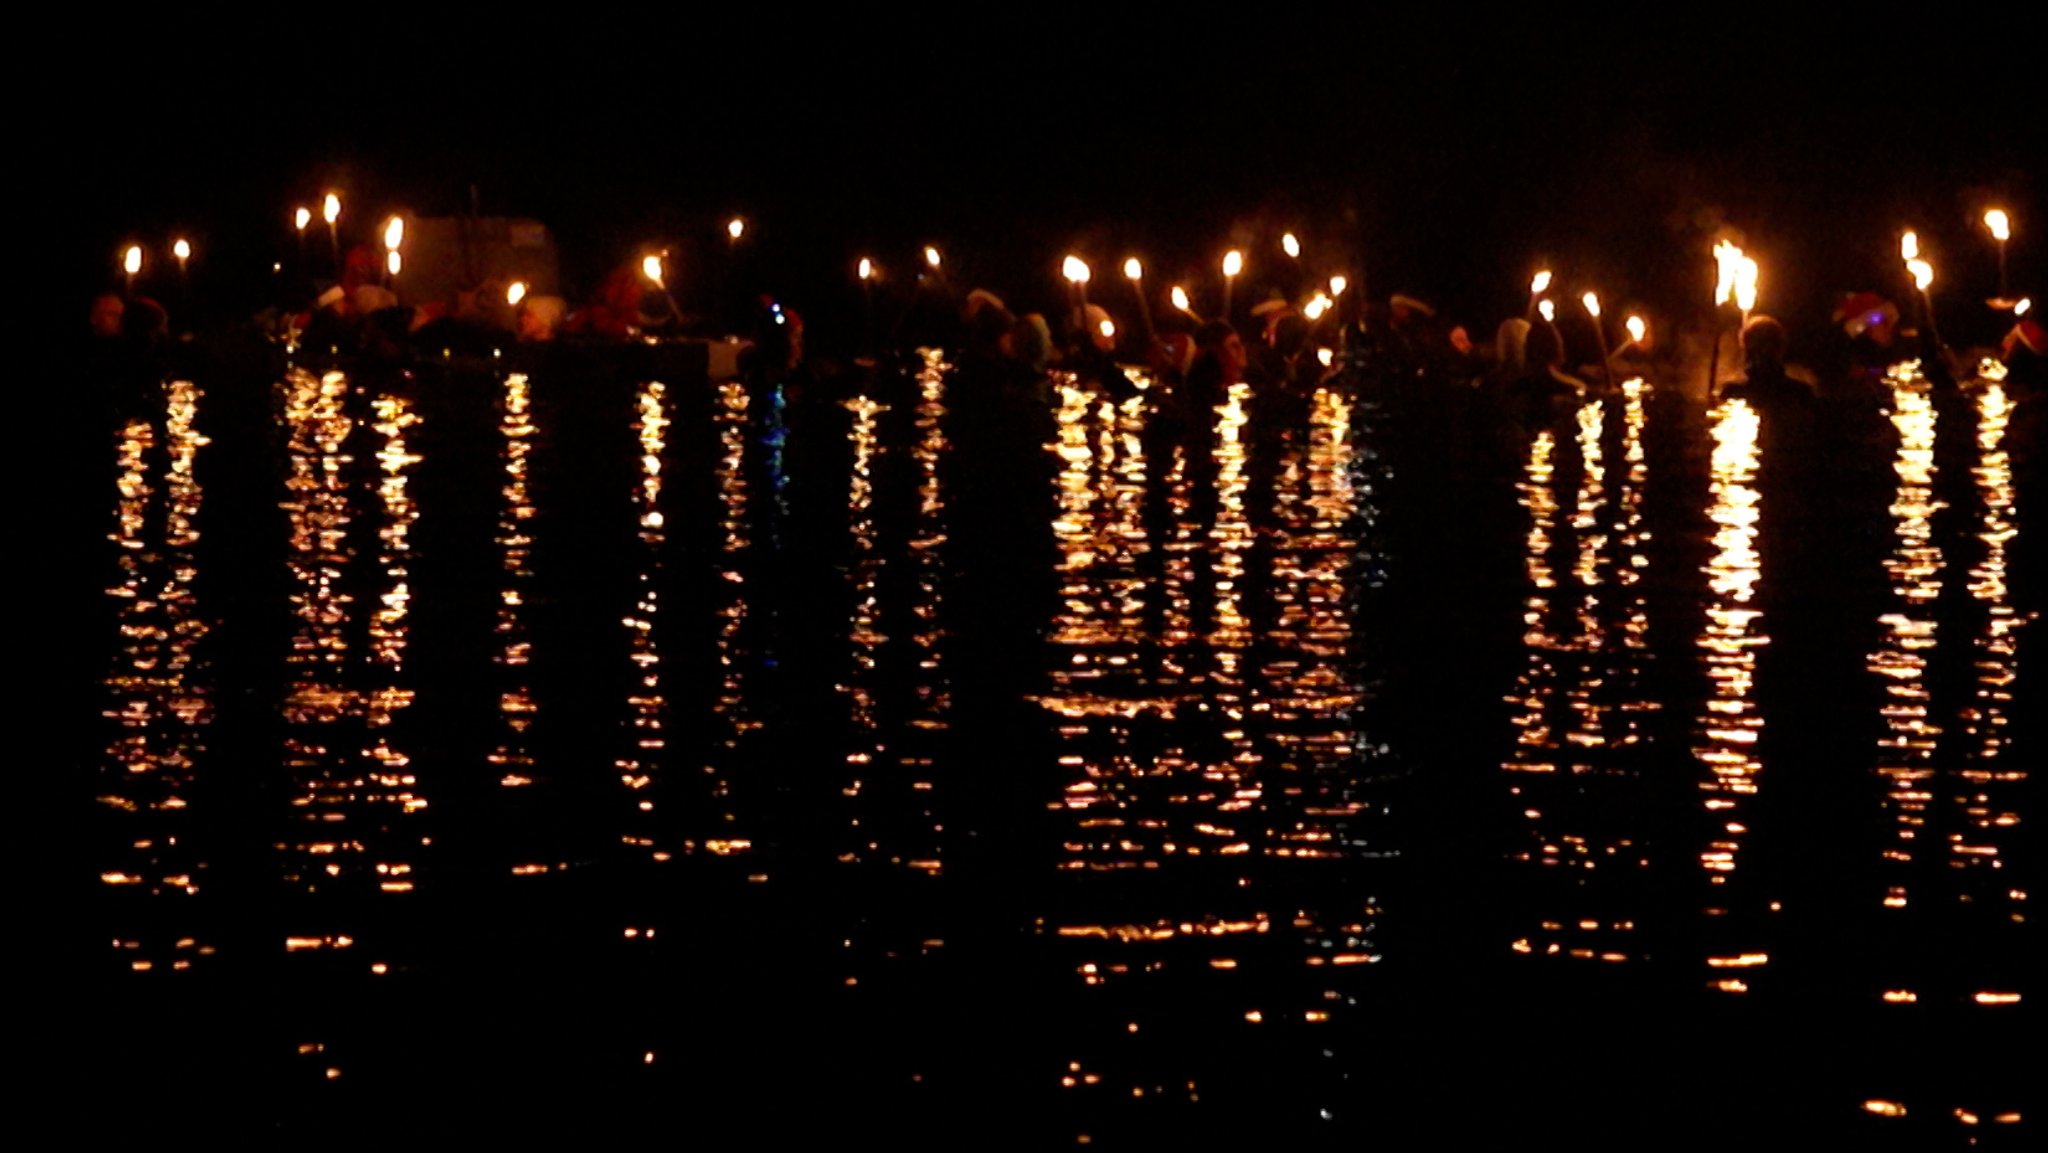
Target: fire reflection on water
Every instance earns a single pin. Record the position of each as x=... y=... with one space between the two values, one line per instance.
x=1728 y=728
x=356 y=790
x=642 y=761
x=160 y=699
x=1580 y=703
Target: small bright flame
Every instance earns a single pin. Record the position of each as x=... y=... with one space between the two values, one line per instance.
x=131 y=260
x=1909 y=246
x=1337 y=285
x=1133 y=269
x=1548 y=310
x=330 y=209
x=1745 y=284
x=2025 y=306
x=1923 y=273
x=302 y=217
x=1074 y=269
x=931 y=256
x=1539 y=282
x=1326 y=356
x=394 y=233
x=1316 y=307
x=1999 y=224
x=1727 y=259
x=1637 y=329
x=1290 y=246
x=1108 y=329
x=1592 y=303
x=865 y=269
x=1180 y=299
x=515 y=292
x=650 y=267
x=393 y=261
x=735 y=228
x=1233 y=262
x=182 y=249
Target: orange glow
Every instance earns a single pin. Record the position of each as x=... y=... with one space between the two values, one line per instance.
x=650 y=267
x=1292 y=247
x=865 y=269
x=394 y=233
x=394 y=261
x=1233 y=262
x=515 y=292
x=1997 y=998
x=1074 y=269
x=931 y=256
x=1592 y=303
x=1727 y=258
x=1133 y=269
x=1909 y=246
x=1539 y=283
x=1884 y=1108
x=1548 y=310
x=330 y=208
x=1923 y=273
x=1999 y=224
x=302 y=217
x=131 y=260
x=1180 y=299
x=1337 y=285
x=735 y=228
x=1637 y=329
x=182 y=249
x=1108 y=329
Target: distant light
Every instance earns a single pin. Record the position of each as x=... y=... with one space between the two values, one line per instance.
x=1233 y=262
x=1539 y=282
x=1592 y=303
x=182 y=249
x=931 y=256
x=866 y=269
x=393 y=261
x=277 y=266
x=735 y=228
x=1180 y=299
x=1999 y=224
x=1337 y=285
x=1133 y=269
x=1923 y=273
x=394 y=233
x=330 y=209
x=1326 y=356
x=302 y=217
x=650 y=267
x=131 y=260
x=1074 y=269
x=2025 y=306
x=1637 y=329
x=1909 y=246
x=515 y=292
x=1290 y=246
x=1107 y=328
x=1316 y=307
x=1548 y=310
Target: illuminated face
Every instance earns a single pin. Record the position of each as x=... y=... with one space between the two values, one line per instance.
x=106 y=314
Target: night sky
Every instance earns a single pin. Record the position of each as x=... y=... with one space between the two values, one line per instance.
x=1452 y=163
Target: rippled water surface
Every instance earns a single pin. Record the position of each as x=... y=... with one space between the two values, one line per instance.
x=590 y=749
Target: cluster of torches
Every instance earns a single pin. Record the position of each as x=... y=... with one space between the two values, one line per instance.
x=1735 y=282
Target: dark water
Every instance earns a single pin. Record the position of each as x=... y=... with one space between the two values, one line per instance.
x=572 y=752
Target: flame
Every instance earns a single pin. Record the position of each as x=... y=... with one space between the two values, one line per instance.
x=182 y=249
x=1326 y=356
x=650 y=267
x=1592 y=303
x=1108 y=329
x=931 y=256
x=1909 y=246
x=1337 y=286
x=735 y=228
x=1180 y=299
x=1316 y=307
x=1548 y=310
x=330 y=209
x=1637 y=329
x=131 y=260
x=2025 y=306
x=1133 y=269
x=393 y=261
x=302 y=217
x=1727 y=259
x=2000 y=225
x=1539 y=283
x=1745 y=284
x=394 y=233
x=1075 y=269
x=515 y=292
x=1233 y=262
x=865 y=269
x=1290 y=246
x=1923 y=273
